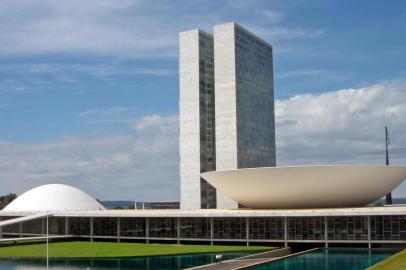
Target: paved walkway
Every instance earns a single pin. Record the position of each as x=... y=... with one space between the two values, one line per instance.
x=246 y=261
x=21 y=239
x=233 y=264
x=251 y=260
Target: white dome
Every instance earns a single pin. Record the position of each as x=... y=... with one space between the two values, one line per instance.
x=54 y=197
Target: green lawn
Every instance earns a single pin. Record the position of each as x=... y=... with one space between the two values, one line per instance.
x=111 y=249
x=395 y=262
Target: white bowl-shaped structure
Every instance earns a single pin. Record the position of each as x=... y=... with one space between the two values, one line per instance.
x=54 y=197
x=307 y=186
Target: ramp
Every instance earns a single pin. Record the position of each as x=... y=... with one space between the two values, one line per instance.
x=251 y=260
x=23 y=219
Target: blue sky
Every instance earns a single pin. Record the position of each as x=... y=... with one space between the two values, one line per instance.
x=103 y=76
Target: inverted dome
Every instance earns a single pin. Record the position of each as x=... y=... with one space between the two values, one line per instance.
x=307 y=186
x=54 y=197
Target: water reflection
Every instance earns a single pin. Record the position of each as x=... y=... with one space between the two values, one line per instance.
x=139 y=263
x=330 y=259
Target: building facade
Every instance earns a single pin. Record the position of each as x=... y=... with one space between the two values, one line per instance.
x=197 y=126
x=226 y=109
x=245 y=121
x=371 y=227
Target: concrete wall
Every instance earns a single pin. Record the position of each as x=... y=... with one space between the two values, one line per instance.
x=189 y=140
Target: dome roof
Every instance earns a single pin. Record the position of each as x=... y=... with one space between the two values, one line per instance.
x=54 y=197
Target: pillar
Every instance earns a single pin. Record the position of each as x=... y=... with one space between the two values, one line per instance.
x=326 y=232
x=20 y=229
x=91 y=228
x=147 y=230
x=66 y=225
x=247 y=230
x=285 y=229
x=118 y=229
x=178 y=230
x=369 y=232
x=211 y=230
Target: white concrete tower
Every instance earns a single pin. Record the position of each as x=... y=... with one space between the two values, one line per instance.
x=196 y=106
x=244 y=96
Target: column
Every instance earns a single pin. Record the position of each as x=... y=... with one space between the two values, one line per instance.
x=66 y=225
x=211 y=230
x=147 y=230
x=91 y=228
x=369 y=232
x=285 y=224
x=43 y=226
x=21 y=229
x=118 y=229
x=247 y=230
x=178 y=230
x=326 y=232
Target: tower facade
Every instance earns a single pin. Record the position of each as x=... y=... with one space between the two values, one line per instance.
x=245 y=121
x=226 y=109
x=197 y=112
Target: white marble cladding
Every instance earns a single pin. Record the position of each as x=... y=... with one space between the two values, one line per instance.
x=244 y=96
x=226 y=104
x=189 y=140
x=244 y=108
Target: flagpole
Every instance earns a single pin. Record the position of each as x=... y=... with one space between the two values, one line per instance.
x=389 y=195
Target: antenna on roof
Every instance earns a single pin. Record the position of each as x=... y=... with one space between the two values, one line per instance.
x=387 y=142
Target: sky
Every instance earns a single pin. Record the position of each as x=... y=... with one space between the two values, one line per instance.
x=89 y=89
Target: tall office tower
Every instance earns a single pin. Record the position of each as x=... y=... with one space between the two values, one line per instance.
x=226 y=109
x=244 y=94
x=197 y=128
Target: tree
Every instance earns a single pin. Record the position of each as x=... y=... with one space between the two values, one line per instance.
x=6 y=199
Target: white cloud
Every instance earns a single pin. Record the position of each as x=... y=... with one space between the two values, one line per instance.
x=141 y=166
x=97 y=70
x=343 y=127
x=104 y=112
x=284 y=33
x=339 y=127
x=272 y=15
x=129 y=28
x=319 y=73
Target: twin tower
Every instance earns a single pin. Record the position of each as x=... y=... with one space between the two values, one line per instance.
x=226 y=109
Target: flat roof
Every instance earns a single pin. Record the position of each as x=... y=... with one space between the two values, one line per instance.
x=358 y=211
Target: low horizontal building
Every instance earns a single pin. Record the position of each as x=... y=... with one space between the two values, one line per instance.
x=369 y=225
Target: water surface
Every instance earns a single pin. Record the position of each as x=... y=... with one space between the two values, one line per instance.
x=139 y=263
x=330 y=259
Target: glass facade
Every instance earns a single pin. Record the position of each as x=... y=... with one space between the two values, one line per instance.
x=339 y=228
x=229 y=228
x=133 y=227
x=195 y=228
x=306 y=228
x=388 y=227
x=266 y=228
x=207 y=121
x=105 y=226
x=347 y=228
x=79 y=226
x=255 y=93
x=162 y=227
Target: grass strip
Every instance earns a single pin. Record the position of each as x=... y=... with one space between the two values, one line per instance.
x=84 y=249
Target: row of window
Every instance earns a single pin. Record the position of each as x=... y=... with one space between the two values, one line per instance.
x=298 y=228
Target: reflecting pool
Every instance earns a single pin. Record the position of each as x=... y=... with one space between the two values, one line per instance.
x=139 y=263
x=330 y=259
